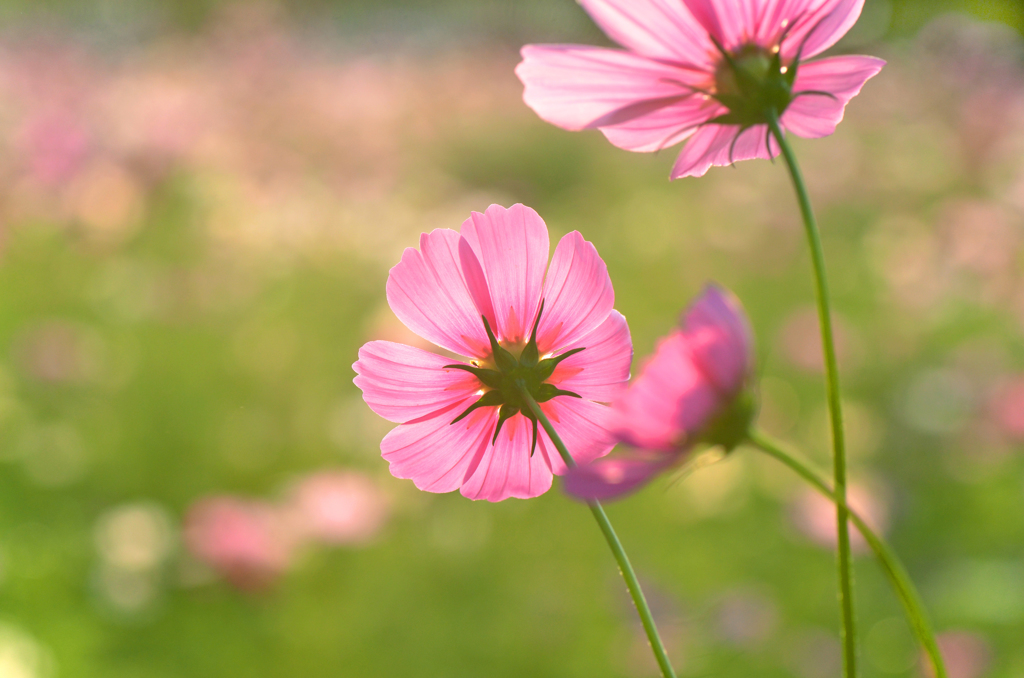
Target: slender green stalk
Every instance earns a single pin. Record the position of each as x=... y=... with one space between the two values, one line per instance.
x=616 y=546
x=889 y=561
x=835 y=411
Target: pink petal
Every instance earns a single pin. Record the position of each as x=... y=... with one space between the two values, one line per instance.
x=730 y=22
x=427 y=292
x=436 y=454
x=402 y=383
x=578 y=294
x=669 y=402
x=720 y=339
x=507 y=469
x=816 y=115
x=664 y=127
x=599 y=372
x=613 y=478
x=512 y=248
x=582 y=425
x=817 y=25
x=717 y=145
x=659 y=29
x=577 y=87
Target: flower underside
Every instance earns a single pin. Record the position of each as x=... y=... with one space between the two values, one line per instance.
x=512 y=376
x=755 y=86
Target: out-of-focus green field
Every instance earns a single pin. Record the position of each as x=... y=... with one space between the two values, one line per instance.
x=197 y=225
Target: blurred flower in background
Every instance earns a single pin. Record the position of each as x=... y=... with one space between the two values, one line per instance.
x=252 y=542
x=337 y=508
x=246 y=541
x=814 y=515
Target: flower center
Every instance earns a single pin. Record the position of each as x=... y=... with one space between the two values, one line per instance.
x=753 y=84
x=505 y=385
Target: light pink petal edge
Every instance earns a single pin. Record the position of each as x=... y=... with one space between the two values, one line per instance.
x=511 y=245
x=717 y=145
x=720 y=339
x=613 y=478
x=577 y=87
x=578 y=294
x=817 y=115
x=660 y=29
x=428 y=293
x=402 y=383
x=601 y=371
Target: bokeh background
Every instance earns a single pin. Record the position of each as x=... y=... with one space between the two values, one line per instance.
x=199 y=205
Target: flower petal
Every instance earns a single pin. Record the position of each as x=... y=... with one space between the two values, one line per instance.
x=507 y=469
x=730 y=22
x=437 y=455
x=664 y=127
x=577 y=87
x=669 y=402
x=816 y=115
x=402 y=383
x=578 y=294
x=599 y=372
x=614 y=478
x=718 y=145
x=720 y=339
x=817 y=25
x=583 y=426
x=659 y=29
x=427 y=292
x=512 y=248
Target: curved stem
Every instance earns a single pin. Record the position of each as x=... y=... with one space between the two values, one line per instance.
x=613 y=542
x=834 y=402
x=889 y=561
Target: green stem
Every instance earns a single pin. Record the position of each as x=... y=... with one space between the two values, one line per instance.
x=834 y=402
x=889 y=561
x=613 y=542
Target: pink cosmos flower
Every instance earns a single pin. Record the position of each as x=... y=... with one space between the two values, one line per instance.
x=710 y=71
x=483 y=294
x=692 y=389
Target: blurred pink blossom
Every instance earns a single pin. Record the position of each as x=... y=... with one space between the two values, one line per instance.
x=338 y=507
x=689 y=390
x=967 y=654
x=1006 y=408
x=815 y=515
x=55 y=144
x=246 y=541
x=703 y=71
x=800 y=341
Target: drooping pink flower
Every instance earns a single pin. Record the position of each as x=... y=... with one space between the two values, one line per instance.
x=691 y=390
x=248 y=542
x=706 y=71
x=483 y=294
x=337 y=507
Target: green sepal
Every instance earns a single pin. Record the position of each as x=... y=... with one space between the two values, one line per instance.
x=546 y=392
x=504 y=414
x=505 y=361
x=531 y=355
x=489 y=399
x=546 y=367
x=489 y=378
